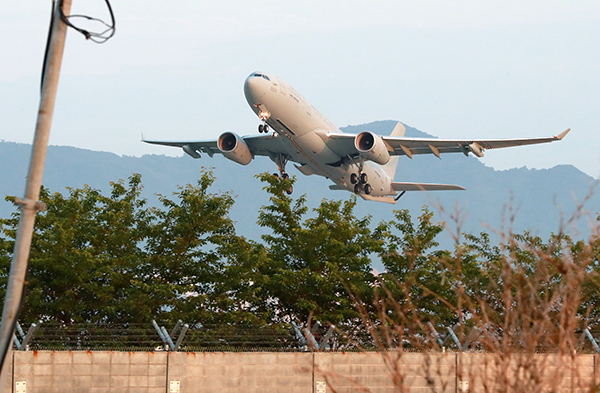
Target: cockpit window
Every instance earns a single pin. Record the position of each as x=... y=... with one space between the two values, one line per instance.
x=262 y=75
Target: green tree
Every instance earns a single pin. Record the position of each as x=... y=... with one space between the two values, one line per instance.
x=83 y=250
x=314 y=262
x=183 y=250
x=415 y=269
x=97 y=258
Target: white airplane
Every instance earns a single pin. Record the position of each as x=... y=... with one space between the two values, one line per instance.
x=362 y=163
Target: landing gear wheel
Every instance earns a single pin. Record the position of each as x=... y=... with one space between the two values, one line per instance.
x=368 y=189
x=364 y=178
x=285 y=176
x=357 y=189
x=276 y=175
x=261 y=128
x=353 y=178
x=265 y=128
x=289 y=190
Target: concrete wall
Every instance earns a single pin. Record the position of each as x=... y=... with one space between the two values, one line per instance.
x=154 y=372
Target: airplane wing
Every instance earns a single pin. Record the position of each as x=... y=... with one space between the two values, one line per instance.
x=259 y=145
x=343 y=144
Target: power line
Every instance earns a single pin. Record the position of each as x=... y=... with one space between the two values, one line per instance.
x=97 y=37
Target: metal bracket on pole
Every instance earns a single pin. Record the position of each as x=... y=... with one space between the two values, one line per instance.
x=26 y=338
x=167 y=338
x=29 y=204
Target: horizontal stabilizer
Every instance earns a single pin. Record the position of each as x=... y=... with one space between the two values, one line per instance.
x=425 y=187
x=384 y=199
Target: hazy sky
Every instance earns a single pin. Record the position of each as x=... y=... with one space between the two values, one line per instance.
x=175 y=70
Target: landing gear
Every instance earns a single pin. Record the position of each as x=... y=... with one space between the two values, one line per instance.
x=366 y=188
x=263 y=128
x=360 y=181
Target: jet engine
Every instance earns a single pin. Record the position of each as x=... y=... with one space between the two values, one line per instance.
x=234 y=148
x=372 y=147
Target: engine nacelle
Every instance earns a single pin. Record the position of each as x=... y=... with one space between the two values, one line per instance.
x=234 y=148
x=372 y=147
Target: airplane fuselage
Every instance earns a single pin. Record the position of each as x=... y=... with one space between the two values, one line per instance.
x=304 y=134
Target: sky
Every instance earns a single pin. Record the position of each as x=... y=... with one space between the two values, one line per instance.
x=175 y=71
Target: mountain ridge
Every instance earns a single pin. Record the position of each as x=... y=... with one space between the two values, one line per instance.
x=538 y=195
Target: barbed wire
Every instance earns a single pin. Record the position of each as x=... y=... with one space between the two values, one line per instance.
x=222 y=338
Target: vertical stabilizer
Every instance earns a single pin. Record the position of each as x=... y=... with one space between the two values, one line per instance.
x=390 y=167
x=399 y=130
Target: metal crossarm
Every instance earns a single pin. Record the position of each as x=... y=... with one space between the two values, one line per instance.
x=23 y=345
x=184 y=329
x=306 y=337
x=593 y=340
x=325 y=340
x=167 y=338
x=455 y=339
x=436 y=335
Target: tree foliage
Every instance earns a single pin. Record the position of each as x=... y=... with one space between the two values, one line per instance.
x=114 y=258
x=314 y=262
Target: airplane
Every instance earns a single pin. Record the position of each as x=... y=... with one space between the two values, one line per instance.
x=363 y=163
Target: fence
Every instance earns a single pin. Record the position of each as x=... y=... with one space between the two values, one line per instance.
x=234 y=338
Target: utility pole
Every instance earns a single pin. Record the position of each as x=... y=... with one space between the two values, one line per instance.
x=30 y=205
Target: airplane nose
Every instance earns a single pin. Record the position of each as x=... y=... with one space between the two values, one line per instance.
x=250 y=84
x=252 y=89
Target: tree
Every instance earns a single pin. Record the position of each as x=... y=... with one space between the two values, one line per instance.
x=82 y=253
x=97 y=258
x=313 y=263
x=183 y=249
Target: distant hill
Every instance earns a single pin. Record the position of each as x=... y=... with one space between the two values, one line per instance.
x=539 y=196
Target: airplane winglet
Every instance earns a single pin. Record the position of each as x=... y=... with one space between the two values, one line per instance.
x=562 y=134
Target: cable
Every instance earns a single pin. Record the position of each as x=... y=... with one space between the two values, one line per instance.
x=47 y=46
x=98 y=38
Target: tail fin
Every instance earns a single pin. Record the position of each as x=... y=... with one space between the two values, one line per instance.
x=390 y=167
